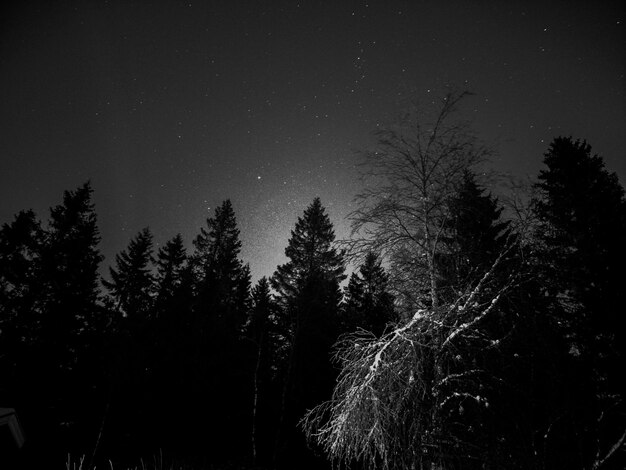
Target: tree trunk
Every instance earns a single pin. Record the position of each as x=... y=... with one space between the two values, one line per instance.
x=256 y=397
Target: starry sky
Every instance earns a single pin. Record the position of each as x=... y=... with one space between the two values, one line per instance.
x=170 y=107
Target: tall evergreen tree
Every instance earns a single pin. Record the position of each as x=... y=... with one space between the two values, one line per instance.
x=222 y=288
x=261 y=332
x=309 y=294
x=131 y=291
x=20 y=300
x=70 y=314
x=170 y=263
x=368 y=303
x=474 y=236
x=70 y=262
x=582 y=250
x=581 y=208
x=311 y=254
x=132 y=281
x=174 y=357
x=222 y=278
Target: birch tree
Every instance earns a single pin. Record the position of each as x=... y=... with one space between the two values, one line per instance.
x=414 y=168
x=415 y=398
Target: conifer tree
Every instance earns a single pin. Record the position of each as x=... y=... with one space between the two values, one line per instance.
x=170 y=263
x=368 y=303
x=70 y=260
x=173 y=354
x=131 y=291
x=222 y=291
x=474 y=236
x=261 y=331
x=132 y=281
x=581 y=208
x=70 y=315
x=311 y=255
x=308 y=292
x=581 y=253
x=20 y=299
x=222 y=280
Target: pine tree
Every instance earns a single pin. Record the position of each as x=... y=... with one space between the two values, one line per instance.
x=582 y=210
x=20 y=299
x=71 y=316
x=132 y=281
x=368 y=303
x=309 y=295
x=170 y=269
x=70 y=260
x=311 y=255
x=222 y=291
x=581 y=252
x=172 y=357
x=474 y=236
x=260 y=330
x=221 y=277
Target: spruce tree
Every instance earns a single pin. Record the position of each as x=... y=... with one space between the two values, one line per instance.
x=474 y=236
x=170 y=263
x=174 y=357
x=581 y=252
x=132 y=281
x=69 y=263
x=368 y=303
x=581 y=209
x=222 y=280
x=131 y=291
x=309 y=294
x=71 y=316
x=20 y=301
x=222 y=290
x=261 y=333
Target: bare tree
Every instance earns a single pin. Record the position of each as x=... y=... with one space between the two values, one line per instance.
x=399 y=399
x=414 y=167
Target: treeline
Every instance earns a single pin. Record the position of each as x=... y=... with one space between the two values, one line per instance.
x=485 y=341
x=172 y=350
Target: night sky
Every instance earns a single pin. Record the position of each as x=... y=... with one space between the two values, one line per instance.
x=171 y=107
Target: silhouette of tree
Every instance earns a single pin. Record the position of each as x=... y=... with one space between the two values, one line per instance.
x=70 y=261
x=132 y=282
x=20 y=300
x=261 y=331
x=222 y=291
x=223 y=281
x=308 y=292
x=473 y=236
x=582 y=250
x=368 y=303
x=170 y=262
x=70 y=317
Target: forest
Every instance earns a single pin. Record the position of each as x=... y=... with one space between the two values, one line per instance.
x=479 y=327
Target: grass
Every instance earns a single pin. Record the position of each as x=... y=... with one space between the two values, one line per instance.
x=156 y=463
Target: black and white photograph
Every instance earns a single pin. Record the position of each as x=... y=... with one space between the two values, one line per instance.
x=312 y=235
